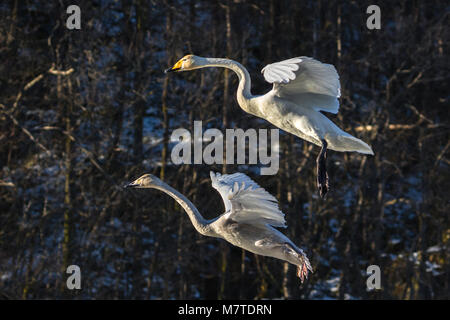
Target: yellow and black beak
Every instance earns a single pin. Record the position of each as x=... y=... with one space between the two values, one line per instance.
x=176 y=67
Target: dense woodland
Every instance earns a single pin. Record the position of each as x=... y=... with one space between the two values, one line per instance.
x=82 y=112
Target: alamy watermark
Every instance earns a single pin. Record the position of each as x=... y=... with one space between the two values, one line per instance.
x=374 y=20
x=374 y=280
x=188 y=145
x=74 y=20
x=74 y=280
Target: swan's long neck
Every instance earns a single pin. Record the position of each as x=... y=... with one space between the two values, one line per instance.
x=200 y=224
x=243 y=92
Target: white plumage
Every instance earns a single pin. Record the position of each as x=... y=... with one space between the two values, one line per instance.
x=302 y=87
x=246 y=201
x=305 y=82
x=251 y=213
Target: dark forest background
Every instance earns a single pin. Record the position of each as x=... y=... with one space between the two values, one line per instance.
x=82 y=112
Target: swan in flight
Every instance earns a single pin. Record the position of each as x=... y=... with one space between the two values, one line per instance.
x=302 y=87
x=251 y=213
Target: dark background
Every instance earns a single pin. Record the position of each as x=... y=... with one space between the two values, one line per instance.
x=82 y=112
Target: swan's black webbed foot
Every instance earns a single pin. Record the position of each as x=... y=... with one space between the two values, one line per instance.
x=322 y=175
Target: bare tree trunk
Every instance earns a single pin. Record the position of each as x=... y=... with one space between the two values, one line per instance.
x=316 y=27
x=270 y=30
x=66 y=106
x=164 y=97
x=226 y=102
x=338 y=35
x=226 y=96
x=139 y=105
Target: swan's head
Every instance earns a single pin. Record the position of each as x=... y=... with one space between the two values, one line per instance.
x=189 y=62
x=145 y=181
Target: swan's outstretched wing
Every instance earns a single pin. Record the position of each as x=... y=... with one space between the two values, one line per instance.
x=306 y=82
x=245 y=201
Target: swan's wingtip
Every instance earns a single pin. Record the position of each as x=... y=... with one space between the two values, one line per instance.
x=213 y=176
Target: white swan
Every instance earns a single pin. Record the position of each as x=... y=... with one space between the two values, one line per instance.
x=251 y=213
x=302 y=87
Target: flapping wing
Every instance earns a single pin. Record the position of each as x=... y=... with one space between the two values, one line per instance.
x=245 y=201
x=306 y=82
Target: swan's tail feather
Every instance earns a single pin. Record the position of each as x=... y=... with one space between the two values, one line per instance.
x=347 y=143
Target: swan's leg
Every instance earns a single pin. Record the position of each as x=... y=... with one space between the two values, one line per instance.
x=302 y=272
x=322 y=175
x=297 y=257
